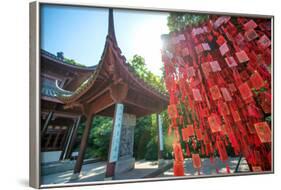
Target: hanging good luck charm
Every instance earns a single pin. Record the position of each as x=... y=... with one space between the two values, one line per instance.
x=219 y=80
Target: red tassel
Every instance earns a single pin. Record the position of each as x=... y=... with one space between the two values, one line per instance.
x=227 y=169
x=202 y=149
x=217 y=170
x=178 y=168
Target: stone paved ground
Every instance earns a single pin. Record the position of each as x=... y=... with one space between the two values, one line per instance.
x=210 y=169
x=96 y=171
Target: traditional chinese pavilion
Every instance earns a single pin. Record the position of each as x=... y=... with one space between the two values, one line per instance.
x=70 y=93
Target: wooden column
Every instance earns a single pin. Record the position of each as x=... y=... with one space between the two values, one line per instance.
x=65 y=139
x=69 y=138
x=160 y=137
x=45 y=126
x=72 y=139
x=83 y=145
x=115 y=141
x=57 y=136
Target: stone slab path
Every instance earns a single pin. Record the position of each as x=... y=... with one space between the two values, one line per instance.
x=143 y=169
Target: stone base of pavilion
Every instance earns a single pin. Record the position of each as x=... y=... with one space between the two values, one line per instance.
x=92 y=172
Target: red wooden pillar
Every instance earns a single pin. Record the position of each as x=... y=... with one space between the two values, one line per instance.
x=83 y=146
x=115 y=141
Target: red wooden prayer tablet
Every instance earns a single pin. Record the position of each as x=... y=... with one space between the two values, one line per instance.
x=185 y=52
x=221 y=40
x=256 y=169
x=206 y=46
x=251 y=35
x=256 y=80
x=230 y=61
x=187 y=132
x=250 y=25
x=226 y=95
x=214 y=123
x=190 y=130
x=235 y=115
x=242 y=56
x=265 y=102
x=239 y=39
x=190 y=71
x=206 y=68
x=196 y=94
x=245 y=91
x=215 y=66
x=196 y=161
x=172 y=111
x=224 y=49
x=199 y=49
x=223 y=108
x=215 y=92
x=264 y=42
x=263 y=132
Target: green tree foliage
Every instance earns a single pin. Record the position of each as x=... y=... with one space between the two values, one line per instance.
x=142 y=136
x=146 y=136
x=177 y=21
x=72 y=62
x=138 y=64
x=99 y=137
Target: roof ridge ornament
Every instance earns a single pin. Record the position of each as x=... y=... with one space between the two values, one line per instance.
x=111 y=30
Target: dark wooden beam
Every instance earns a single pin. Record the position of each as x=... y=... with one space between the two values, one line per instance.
x=69 y=138
x=119 y=91
x=73 y=138
x=99 y=104
x=45 y=126
x=142 y=101
x=63 y=114
x=100 y=93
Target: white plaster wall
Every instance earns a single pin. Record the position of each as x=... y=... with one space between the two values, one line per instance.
x=50 y=156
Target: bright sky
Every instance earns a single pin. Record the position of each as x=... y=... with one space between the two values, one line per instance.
x=80 y=33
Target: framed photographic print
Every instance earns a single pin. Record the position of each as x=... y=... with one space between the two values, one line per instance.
x=129 y=94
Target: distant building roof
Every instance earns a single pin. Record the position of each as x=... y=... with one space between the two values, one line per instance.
x=61 y=61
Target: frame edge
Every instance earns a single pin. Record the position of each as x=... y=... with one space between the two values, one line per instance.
x=34 y=140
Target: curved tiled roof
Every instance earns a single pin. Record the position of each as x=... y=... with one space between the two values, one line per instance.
x=48 y=89
x=58 y=60
x=87 y=84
